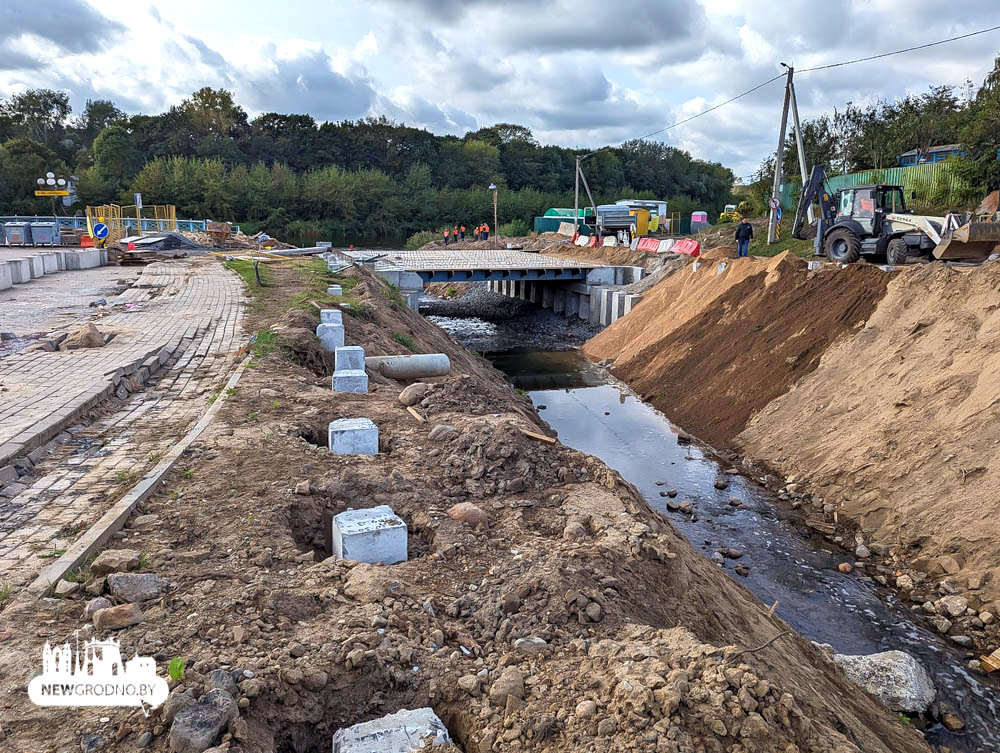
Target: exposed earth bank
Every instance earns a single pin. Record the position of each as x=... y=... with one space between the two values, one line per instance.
x=875 y=395
x=544 y=606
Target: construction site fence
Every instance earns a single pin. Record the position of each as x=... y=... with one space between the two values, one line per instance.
x=192 y=226
x=934 y=183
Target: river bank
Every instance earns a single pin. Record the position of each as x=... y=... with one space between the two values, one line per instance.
x=544 y=605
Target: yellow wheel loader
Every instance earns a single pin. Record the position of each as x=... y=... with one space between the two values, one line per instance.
x=874 y=220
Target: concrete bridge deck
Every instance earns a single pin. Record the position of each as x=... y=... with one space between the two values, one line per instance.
x=475 y=265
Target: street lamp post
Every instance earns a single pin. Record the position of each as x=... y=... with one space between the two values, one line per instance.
x=496 y=228
x=52 y=183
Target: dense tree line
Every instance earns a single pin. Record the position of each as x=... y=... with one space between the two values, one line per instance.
x=290 y=174
x=872 y=136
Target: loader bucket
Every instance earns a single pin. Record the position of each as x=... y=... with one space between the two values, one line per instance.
x=974 y=240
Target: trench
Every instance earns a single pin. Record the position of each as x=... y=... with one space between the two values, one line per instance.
x=787 y=563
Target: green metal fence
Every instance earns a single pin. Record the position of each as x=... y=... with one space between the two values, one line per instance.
x=935 y=184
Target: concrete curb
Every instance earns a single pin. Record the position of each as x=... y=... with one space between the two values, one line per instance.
x=99 y=533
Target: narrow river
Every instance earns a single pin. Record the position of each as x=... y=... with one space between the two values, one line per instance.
x=788 y=564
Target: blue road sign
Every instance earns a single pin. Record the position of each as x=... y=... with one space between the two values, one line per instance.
x=100 y=230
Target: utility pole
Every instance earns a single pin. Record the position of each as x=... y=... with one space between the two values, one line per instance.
x=798 y=142
x=773 y=222
x=576 y=198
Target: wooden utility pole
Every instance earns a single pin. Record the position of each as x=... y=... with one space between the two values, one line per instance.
x=576 y=198
x=773 y=222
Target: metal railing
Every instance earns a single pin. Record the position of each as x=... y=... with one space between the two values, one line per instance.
x=80 y=222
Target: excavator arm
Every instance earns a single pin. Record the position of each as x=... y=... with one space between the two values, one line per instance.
x=812 y=191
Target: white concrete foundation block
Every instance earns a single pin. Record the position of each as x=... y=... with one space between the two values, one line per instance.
x=37 y=266
x=373 y=535
x=331 y=335
x=406 y=731
x=86 y=259
x=61 y=260
x=350 y=357
x=350 y=380
x=6 y=280
x=331 y=316
x=335 y=290
x=353 y=436
x=20 y=271
x=50 y=264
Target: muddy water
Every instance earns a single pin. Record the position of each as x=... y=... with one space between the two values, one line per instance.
x=786 y=563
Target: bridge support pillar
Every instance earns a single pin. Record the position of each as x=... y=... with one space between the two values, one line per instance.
x=572 y=303
x=558 y=300
x=546 y=296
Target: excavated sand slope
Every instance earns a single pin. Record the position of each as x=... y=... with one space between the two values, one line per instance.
x=712 y=345
x=901 y=422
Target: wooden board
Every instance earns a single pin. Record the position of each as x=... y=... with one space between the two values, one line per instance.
x=539 y=437
x=416 y=414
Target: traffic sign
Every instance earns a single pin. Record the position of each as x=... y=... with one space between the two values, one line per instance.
x=778 y=213
x=100 y=230
x=138 y=200
x=774 y=202
x=52 y=193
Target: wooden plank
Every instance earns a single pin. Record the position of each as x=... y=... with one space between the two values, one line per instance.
x=416 y=414
x=539 y=437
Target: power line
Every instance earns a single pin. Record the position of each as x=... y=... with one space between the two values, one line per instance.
x=805 y=70
x=898 y=52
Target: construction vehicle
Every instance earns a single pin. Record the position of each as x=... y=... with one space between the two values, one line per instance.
x=873 y=219
x=729 y=214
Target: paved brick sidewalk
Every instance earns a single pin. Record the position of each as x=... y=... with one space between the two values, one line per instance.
x=196 y=303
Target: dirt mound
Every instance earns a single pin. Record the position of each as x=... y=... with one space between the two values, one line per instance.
x=85 y=336
x=714 y=343
x=898 y=426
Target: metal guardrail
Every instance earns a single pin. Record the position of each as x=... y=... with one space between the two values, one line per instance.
x=191 y=226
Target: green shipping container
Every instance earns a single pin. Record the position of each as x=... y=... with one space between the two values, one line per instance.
x=551 y=224
x=583 y=213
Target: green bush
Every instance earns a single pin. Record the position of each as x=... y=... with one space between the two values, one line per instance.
x=417 y=240
x=515 y=228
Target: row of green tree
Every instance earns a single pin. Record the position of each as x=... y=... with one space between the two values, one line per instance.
x=209 y=158
x=872 y=136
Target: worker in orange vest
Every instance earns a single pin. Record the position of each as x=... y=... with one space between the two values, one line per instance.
x=478 y=232
x=446 y=236
x=486 y=231
x=462 y=231
x=454 y=234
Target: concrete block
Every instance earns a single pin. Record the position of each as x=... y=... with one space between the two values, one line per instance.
x=353 y=436
x=601 y=276
x=618 y=310
x=558 y=300
x=406 y=731
x=61 y=260
x=596 y=294
x=351 y=357
x=607 y=299
x=103 y=253
x=631 y=301
x=6 y=279
x=331 y=316
x=37 y=266
x=350 y=380
x=572 y=303
x=20 y=271
x=332 y=336
x=391 y=276
x=86 y=259
x=583 y=310
x=373 y=535
x=413 y=300
x=547 y=296
x=633 y=274
x=50 y=264
x=335 y=290
x=410 y=281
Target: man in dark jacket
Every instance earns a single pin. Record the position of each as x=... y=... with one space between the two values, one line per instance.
x=744 y=232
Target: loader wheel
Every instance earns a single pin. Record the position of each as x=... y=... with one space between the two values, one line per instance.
x=842 y=246
x=896 y=252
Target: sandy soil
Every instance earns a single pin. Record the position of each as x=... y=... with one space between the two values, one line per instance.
x=636 y=624
x=712 y=345
x=898 y=425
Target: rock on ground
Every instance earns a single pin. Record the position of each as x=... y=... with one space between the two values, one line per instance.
x=137 y=587
x=85 y=336
x=196 y=726
x=895 y=678
x=115 y=561
x=115 y=618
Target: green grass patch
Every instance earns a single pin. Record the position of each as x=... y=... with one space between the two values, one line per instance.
x=395 y=297
x=52 y=554
x=5 y=594
x=176 y=669
x=760 y=247
x=404 y=339
x=264 y=342
x=417 y=240
x=245 y=270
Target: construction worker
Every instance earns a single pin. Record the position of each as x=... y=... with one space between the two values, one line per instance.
x=462 y=231
x=479 y=232
x=454 y=234
x=486 y=231
x=446 y=236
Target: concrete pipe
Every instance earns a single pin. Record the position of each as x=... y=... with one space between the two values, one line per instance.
x=410 y=367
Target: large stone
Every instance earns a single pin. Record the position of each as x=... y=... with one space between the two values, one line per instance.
x=373 y=535
x=406 y=731
x=95 y=605
x=137 y=587
x=196 y=727
x=221 y=679
x=115 y=561
x=442 y=433
x=116 y=618
x=414 y=393
x=955 y=606
x=84 y=336
x=467 y=513
x=895 y=678
x=510 y=682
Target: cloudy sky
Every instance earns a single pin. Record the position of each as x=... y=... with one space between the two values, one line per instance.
x=579 y=73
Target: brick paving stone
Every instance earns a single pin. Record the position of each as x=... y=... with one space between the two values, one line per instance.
x=84 y=476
